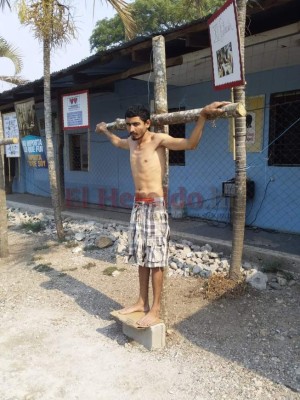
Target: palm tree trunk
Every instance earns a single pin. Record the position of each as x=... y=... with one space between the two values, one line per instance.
x=51 y=156
x=239 y=207
x=3 y=210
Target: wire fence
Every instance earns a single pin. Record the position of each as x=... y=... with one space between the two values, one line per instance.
x=201 y=182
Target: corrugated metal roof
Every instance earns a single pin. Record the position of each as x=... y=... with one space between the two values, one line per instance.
x=101 y=69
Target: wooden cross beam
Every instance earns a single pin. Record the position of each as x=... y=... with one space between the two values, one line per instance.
x=9 y=141
x=182 y=117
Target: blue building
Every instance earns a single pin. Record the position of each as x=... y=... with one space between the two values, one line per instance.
x=95 y=172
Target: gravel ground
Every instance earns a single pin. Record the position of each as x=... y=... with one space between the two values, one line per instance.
x=58 y=341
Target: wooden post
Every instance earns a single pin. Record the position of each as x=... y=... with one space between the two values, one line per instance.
x=8 y=140
x=161 y=106
x=181 y=117
x=3 y=210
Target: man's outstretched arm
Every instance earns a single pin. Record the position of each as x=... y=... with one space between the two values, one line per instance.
x=210 y=111
x=115 y=140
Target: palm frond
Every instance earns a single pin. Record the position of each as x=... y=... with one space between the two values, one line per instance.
x=123 y=10
x=16 y=80
x=49 y=20
x=8 y=51
x=3 y=3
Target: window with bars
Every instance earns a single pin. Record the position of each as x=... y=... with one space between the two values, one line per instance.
x=177 y=131
x=78 y=152
x=284 y=129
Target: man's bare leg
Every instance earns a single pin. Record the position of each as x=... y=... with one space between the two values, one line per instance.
x=153 y=315
x=143 y=301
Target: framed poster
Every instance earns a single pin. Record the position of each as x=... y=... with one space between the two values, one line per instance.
x=255 y=107
x=34 y=150
x=26 y=117
x=225 y=47
x=11 y=130
x=75 y=110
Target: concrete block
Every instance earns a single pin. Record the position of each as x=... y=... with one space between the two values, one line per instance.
x=152 y=338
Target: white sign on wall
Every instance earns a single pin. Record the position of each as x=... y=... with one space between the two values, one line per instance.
x=75 y=110
x=11 y=130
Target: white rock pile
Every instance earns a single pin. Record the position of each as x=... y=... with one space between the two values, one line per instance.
x=109 y=240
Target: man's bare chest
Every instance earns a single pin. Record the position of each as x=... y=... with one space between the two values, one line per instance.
x=145 y=155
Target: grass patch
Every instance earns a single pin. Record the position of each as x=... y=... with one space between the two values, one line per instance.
x=71 y=244
x=33 y=226
x=89 y=265
x=43 y=268
x=109 y=270
x=218 y=286
x=36 y=258
x=43 y=247
x=271 y=267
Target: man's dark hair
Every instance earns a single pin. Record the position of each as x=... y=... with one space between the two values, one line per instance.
x=138 y=110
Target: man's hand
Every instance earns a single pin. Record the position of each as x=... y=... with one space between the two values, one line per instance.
x=213 y=110
x=115 y=140
x=101 y=128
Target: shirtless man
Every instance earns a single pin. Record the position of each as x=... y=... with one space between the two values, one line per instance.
x=149 y=230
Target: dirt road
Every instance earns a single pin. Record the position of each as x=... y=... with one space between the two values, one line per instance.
x=58 y=341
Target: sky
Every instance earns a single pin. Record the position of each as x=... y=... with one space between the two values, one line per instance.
x=31 y=50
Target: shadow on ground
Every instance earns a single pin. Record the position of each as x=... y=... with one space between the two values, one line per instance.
x=89 y=299
x=259 y=330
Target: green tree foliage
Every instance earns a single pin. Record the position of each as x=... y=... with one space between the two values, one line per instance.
x=151 y=16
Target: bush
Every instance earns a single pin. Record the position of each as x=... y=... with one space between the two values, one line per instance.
x=34 y=226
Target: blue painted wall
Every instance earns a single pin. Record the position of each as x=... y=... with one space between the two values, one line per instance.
x=276 y=203
x=28 y=179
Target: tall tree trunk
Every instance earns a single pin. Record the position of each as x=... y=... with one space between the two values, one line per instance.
x=161 y=106
x=239 y=207
x=51 y=156
x=60 y=155
x=3 y=210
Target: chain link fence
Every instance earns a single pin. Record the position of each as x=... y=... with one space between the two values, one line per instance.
x=201 y=182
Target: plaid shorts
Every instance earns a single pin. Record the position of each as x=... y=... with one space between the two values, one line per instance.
x=148 y=235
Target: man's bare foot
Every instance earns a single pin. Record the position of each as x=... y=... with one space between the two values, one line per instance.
x=134 y=308
x=149 y=319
